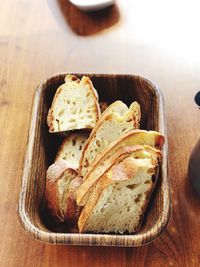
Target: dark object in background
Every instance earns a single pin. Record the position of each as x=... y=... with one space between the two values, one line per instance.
x=194 y=161
x=197 y=99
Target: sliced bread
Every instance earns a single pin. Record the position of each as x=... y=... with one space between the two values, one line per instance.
x=116 y=121
x=75 y=106
x=106 y=158
x=58 y=185
x=73 y=211
x=71 y=149
x=118 y=202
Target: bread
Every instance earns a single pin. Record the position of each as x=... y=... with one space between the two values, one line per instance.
x=75 y=106
x=105 y=159
x=73 y=211
x=71 y=148
x=121 y=108
x=116 y=121
x=58 y=186
x=118 y=106
x=118 y=202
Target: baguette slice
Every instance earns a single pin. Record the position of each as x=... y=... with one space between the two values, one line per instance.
x=116 y=121
x=106 y=158
x=118 y=201
x=118 y=107
x=75 y=106
x=71 y=149
x=58 y=181
x=73 y=211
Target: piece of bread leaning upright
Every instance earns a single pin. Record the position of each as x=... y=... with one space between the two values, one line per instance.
x=106 y=158
x=75 y=106
x=61 y=184
x=118 y=202
x=72 y=147
x=116 y=121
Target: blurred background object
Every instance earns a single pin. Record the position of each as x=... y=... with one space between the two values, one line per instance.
x=88 y=5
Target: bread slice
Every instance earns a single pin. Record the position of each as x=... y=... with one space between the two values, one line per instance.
x=118 y=202
x=118 y=107
x=58 y=180
x=106 y=158
x=71 y=148
x=75 y=106
x=116 y=121
x=73 y=211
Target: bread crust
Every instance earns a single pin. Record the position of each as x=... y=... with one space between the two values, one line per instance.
x=142 y=135
x=54 y=174
x=110 y=115
x=72 y=78
x=129 y=171
x=73 y=210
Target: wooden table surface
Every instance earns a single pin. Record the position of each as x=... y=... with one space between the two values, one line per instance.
x=156 y=39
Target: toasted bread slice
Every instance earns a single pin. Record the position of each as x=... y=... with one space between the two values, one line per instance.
x=116 y=121
x=118 y=202
x=71 y=149
x=106 y=158
x=75 y=106
x=58 y=180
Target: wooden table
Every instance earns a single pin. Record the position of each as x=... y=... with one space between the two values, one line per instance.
x=155 y=39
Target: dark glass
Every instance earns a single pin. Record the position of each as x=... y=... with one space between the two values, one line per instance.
x=194 y=161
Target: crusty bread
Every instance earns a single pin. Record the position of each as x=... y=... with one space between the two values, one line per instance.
x=116 y=121
x=105 y=159
x=118 y=202
x=71 y=148
x=58 y=185
x=75 y=106
x=73 y=211
x=118 y=107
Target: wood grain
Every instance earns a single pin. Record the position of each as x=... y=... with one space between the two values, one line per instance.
x=43 y=146
x=153 y=39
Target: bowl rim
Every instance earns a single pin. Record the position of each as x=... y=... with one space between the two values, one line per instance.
x=134 y=240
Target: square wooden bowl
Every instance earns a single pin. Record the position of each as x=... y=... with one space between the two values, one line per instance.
x=42 y=147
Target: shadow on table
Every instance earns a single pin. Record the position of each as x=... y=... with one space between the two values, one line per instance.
x=83 y=23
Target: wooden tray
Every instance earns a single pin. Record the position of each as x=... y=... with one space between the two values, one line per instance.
x=42 y=148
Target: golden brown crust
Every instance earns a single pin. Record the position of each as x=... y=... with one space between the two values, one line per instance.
x=52 y=201
x=86 y=185
x=86 y=80
x=92 y=136
x=122 y=171
x=159 y=140
x=54 y=174
x=148 y=196
x=128 y=170
x=73 y=210
x=50 y=117
x=72 y=78
x=56 y=170
x=84 y=189
x=108 y=117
